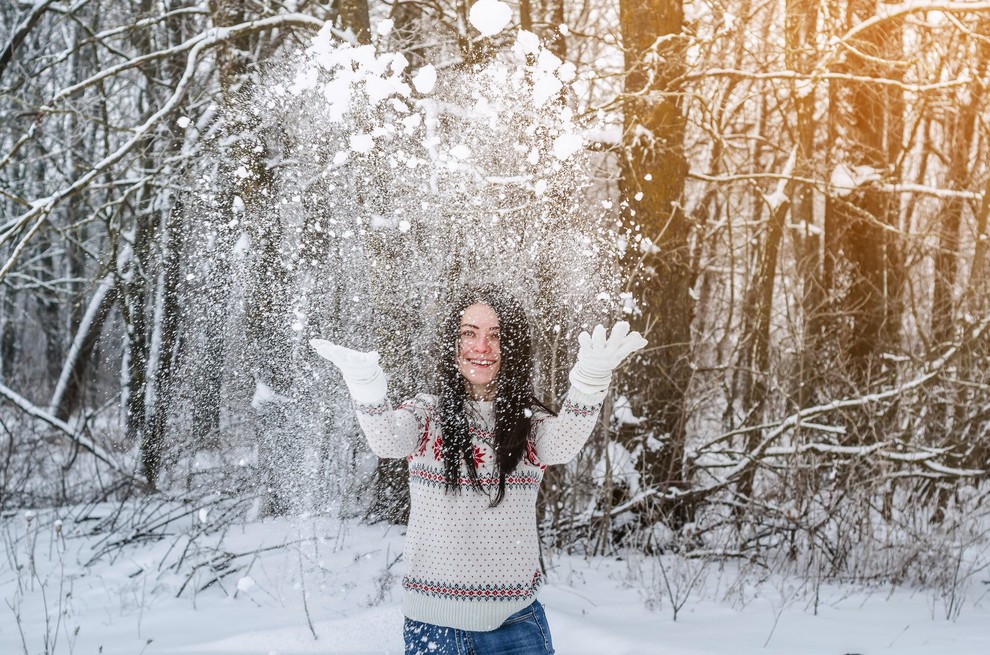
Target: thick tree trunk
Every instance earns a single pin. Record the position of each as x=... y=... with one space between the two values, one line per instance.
x=872 y=126
x=172 y=234
x=353 y=16
x=653 y=170
x=800 y=30
x=960 y=130
x=137 y=277
x=267 y=292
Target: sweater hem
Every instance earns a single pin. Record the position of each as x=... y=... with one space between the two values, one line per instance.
x=473 y=615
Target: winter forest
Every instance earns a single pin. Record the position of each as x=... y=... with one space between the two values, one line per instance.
x=788 y=198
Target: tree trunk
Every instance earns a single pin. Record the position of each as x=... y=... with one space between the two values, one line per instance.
x=800 y=30
x=267 y=292
x=873 y=128
x=75 y=369
x=653 y=164
x=353 y=16
x=137 y=275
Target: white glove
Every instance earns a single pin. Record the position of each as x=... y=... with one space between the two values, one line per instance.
x=365 y=379
x=597 y=356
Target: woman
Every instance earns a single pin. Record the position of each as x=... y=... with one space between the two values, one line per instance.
x=477 y=451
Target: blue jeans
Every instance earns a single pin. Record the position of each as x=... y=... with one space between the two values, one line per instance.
x=524 y=633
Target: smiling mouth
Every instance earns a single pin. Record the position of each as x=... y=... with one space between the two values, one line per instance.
x=482 y=363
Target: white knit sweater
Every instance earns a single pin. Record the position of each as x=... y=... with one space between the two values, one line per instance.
x=469 y=565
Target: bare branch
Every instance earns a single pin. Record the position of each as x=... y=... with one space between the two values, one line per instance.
x=82 y=441
x=21 y=32
x=43 y=207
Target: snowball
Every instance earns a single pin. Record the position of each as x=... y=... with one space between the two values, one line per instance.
x=540 y=187
x=567 y=72
x=404 y=226
x=461 y=152
x=237 y=206
x=398 y=63
x=362 y=143
x=527 y=42
x=245 y=584
x=379 y=88
x=203 y=515
x=183 y=122
x=384 y=28
x=548 y=61
x=425 y=79
x=489 y=16
x=566 y=145
x=305 y=80
x=544 y=88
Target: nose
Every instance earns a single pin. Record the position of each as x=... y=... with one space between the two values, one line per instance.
x=482 y=345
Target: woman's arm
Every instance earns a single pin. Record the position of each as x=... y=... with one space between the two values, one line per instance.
x=394 y=433
x=390 y=433
x=557 y=439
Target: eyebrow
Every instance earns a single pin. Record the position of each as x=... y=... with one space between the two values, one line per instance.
x=464 y=325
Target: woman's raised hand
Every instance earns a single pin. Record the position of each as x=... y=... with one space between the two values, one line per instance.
x=599 y=355
x=365 y=379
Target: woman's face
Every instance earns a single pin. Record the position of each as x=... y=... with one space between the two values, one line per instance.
x=478 y=354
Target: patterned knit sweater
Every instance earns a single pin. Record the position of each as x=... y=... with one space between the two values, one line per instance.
x=470 y=565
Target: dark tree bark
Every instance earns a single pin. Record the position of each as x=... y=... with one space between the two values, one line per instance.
x=138 y=275
x=863 y=258
x=172 y=235
x=76 y=369
x=353 y=16
x=800 y=30
x=960 y=129
x=653 y=164
x=267 y=292
x=407 y=32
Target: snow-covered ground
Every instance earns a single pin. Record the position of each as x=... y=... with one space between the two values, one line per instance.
x=288 y=579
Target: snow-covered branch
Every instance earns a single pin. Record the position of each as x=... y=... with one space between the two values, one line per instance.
x=902 y=188
x=81 y=440
x=789 y=75
x=21 y=32
x=42 y=207
x=886 y=12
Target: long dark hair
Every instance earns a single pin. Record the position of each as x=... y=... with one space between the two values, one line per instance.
x=514 y=397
